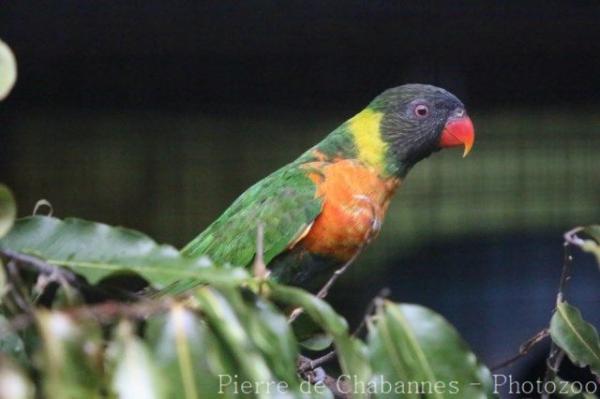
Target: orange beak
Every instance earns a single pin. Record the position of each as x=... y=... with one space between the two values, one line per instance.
x=458 y=132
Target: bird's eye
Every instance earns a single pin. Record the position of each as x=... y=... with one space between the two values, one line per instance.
x=421 y=110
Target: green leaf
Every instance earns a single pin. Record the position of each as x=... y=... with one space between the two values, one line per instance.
x=593 y=231
x=8 y=70
x=566 y=389
x=578 y=338
x=351 y=352
x=97 y=251
x=269 y=331
x=416 y=353
x=71 y=356
x=259 y=340
x=317 y=342
x=134 y=372
x=11 y=344
x=14 y=384
x=226 y=324
x=205 y=359
x=184 y=348
x=592 y=246
x=8 y=209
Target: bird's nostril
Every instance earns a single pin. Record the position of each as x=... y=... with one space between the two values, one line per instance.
x=459 y=113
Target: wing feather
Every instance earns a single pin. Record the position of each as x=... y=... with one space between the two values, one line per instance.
x=284 y=202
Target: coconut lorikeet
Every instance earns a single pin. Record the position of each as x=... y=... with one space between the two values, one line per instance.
x=319 y=211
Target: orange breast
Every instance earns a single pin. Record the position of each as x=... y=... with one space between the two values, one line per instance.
x=355 y=201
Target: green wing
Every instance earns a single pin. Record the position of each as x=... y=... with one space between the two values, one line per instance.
x=283 y=202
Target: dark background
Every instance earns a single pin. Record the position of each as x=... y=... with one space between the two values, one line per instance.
x=156 y=115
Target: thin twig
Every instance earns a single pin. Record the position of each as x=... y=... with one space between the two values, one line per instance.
x=334 y=385
x=524 y=349
x=63 y=275
x=565 y=275
x=307 y=364
x=571 y=237
x=553 y=362
x=324 y=291
x=384 y=293
x=17 y=290
x=556 y=354
x=259 y=268
x=40 y=266
x=316 y=375
x=41 y=203
x=103 y=313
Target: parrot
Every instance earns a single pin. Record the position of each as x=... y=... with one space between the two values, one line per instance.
x=320 y=211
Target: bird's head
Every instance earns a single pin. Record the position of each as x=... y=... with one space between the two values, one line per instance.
x=416 y=120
